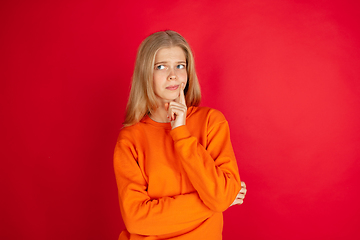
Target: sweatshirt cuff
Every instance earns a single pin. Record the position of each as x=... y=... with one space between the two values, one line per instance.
x=179 y=133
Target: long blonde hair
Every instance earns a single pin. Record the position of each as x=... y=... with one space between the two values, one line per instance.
x=142 y=99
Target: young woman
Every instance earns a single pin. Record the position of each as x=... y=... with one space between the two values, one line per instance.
x=174 y=164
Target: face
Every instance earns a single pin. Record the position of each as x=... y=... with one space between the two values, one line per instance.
x=169 y=73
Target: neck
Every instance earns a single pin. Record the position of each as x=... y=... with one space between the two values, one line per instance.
x=159 y=115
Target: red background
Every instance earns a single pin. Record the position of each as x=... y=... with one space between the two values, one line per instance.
x=285 y=74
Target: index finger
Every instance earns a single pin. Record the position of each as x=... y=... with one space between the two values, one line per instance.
x=182 y=95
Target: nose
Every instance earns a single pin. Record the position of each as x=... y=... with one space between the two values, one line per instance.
x=172 y=75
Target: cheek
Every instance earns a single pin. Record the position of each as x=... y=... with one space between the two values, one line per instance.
x=184 y=77
x=157 y=78
x=158 y=84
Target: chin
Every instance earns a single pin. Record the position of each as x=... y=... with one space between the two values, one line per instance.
x=170 y=98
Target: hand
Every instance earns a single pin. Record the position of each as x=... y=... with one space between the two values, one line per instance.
x=177 y=109
x=241 y=195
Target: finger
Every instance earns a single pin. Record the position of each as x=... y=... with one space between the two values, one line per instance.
x=238 y=202
x=169 y=107
x=177 y=107
x=182 y=95
x=243 y=185
x=175 y=111
x=240 y=196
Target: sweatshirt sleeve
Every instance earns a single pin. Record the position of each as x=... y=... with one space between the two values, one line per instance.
x=143 y=215
x=212 y=169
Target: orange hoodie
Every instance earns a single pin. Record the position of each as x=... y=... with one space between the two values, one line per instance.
x=175 y=184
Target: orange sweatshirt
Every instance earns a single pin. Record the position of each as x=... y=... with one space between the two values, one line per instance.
x=175 y=184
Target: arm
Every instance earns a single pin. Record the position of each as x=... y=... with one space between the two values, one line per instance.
x=212 y=169
x=146 y=216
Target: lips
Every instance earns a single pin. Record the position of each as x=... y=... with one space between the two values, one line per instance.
x=174 y=87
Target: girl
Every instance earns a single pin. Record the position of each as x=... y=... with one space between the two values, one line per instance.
x=174 y=164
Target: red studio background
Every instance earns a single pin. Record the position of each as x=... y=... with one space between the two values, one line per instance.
x=285 y=73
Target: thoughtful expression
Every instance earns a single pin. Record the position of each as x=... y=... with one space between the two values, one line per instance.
x=169 y=72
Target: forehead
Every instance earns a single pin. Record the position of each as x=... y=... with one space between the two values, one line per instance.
x=170 y=54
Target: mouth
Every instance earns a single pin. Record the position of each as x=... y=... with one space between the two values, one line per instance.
x=172 y=88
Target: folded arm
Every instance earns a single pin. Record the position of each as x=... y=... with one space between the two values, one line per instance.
x=143 y=215
x=212 y=169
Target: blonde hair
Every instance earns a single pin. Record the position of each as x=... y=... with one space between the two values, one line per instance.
x=142 y=99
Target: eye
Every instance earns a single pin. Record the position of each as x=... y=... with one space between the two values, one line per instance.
x=180 y=66
x=160 y=67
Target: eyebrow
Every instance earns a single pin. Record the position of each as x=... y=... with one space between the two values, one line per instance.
x=167 y=62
